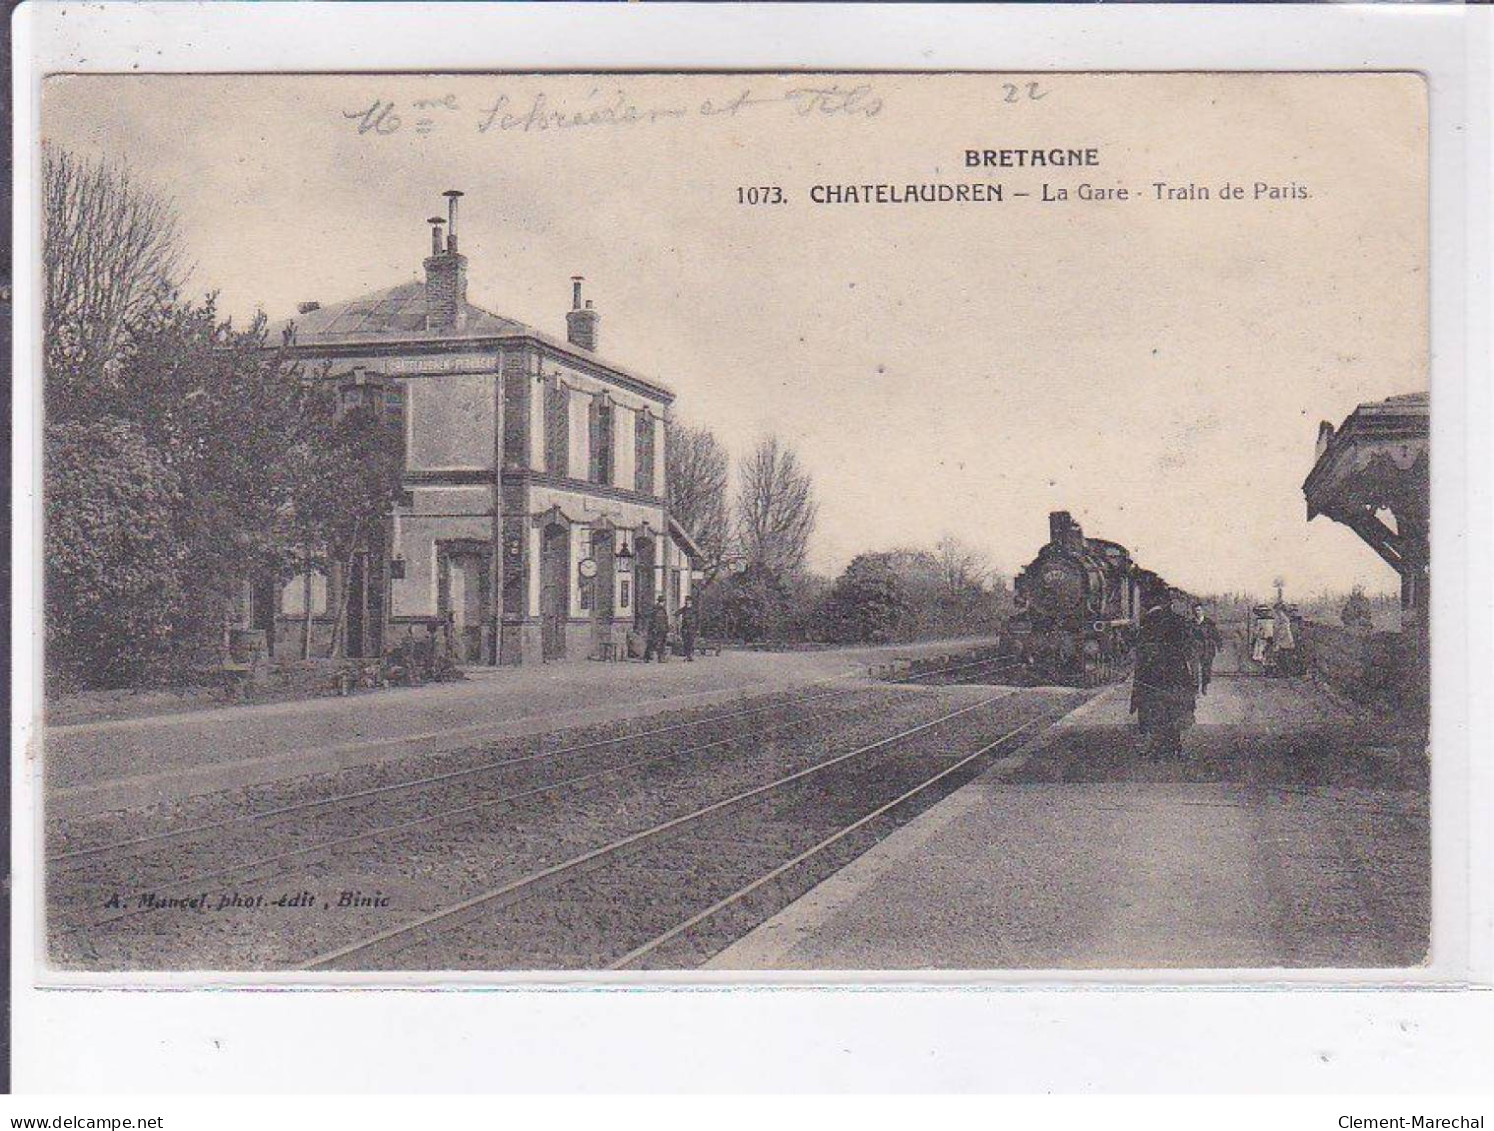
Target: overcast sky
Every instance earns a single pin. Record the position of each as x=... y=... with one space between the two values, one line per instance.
x=1158 y=369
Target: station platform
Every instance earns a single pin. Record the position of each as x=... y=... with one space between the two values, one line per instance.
x=98 y=766
x=1292 y=835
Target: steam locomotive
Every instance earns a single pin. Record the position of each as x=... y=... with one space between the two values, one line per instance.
x=1078 y=605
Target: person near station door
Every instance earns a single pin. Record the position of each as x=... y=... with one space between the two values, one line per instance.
x=658 y=632
x=1205 y=646
x=1164 y=689
x=689 y=627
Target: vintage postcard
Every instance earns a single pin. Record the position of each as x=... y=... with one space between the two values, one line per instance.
x=735 y=522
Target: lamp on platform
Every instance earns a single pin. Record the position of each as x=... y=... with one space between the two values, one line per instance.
x=625 y=559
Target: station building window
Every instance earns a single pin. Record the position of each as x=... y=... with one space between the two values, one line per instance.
x=643 y=453
x=557 y=427
x=515 y=420
x=600 y=417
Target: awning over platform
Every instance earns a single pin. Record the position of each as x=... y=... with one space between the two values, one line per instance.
x=1372 y=474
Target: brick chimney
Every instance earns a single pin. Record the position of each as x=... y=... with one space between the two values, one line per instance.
x=581 y=321
x=446 y=274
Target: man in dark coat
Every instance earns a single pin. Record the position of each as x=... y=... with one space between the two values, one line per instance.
x=1205 y=646
x=658 y=632
x=689 y=626
x=1162 y=696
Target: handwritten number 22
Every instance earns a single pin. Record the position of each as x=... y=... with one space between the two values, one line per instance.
x=1014 y=92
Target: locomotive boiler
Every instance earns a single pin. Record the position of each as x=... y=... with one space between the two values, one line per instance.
x=1078 y=604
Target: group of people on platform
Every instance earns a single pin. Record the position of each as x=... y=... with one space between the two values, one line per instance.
x=1274 y=635
x=657 y=638
x=1175 y=652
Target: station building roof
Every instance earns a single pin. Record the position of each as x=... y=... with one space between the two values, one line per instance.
x=394 y=321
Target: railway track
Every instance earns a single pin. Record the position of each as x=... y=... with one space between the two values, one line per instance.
x=443 y=810
x=63 y=861
x=150 y=841
x=462 y=833
x=798 y=819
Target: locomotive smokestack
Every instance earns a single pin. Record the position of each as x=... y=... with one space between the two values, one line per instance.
x=1063 y=530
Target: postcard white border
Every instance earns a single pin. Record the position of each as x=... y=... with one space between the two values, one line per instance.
x=110 y=1039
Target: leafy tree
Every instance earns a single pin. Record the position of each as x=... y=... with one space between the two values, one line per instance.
x=869 y=600
x=346 y=473
x=112 y=554
x=753 y=602
x=223 y=410
x=184 y=455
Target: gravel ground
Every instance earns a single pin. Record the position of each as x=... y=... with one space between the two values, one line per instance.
x=291 y=916
x=597 y=917
x=79 y=894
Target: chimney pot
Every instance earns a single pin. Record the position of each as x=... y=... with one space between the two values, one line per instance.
x=452 y=196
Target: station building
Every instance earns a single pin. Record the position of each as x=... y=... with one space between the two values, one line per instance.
x=533 y=523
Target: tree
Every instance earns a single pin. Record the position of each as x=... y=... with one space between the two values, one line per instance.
x=869 y=600
x=112 y=554
x=346 y=473
x=111 y=256
x=219 y=458
x=962 y=568
x=1356 y=611
x=753 y=602
x=776 y=508
x=696 y=465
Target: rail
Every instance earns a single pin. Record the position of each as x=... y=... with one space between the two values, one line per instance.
x=399 y=938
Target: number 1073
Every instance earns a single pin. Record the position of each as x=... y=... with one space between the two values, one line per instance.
x=761 y=194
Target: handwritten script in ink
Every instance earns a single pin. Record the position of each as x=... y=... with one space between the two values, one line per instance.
x=601 y=108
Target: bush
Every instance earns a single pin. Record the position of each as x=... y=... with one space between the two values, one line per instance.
x=868 y=602
x=112 y=556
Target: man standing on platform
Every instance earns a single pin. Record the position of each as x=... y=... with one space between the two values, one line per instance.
x=1205 y=646
x=1163 y=694
x=658 y=632
x=689 y=626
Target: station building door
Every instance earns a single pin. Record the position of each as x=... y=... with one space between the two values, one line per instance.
x=555 y=589
x=464 y=585
x=603 y=548
x=643 y=579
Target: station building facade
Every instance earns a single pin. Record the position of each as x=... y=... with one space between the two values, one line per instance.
x=533 y=523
